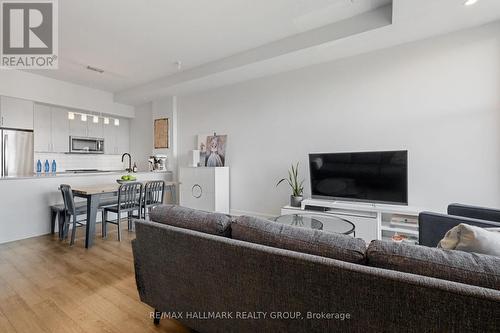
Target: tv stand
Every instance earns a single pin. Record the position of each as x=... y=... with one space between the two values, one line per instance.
x=372 y=221
x=370 y=204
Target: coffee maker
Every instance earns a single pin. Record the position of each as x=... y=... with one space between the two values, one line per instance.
x=158 y=163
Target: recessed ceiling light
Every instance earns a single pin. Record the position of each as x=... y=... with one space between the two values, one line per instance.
x=117 y=122
x=470 y=2
x=71 y=115
x=96 y=119
x=84 y=117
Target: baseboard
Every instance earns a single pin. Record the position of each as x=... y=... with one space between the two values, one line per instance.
x=237 y=212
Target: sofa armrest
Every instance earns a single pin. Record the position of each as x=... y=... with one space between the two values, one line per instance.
x=433 y=226
x=474 y=212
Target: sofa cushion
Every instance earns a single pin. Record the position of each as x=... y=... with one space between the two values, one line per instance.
x=469 y=238
x=187 y=218
x=469 y=268
x=316 y=242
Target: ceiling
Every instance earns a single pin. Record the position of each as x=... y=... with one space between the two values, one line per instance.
x=225 y=41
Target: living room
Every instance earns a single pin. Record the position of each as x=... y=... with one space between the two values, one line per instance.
x=242 y=166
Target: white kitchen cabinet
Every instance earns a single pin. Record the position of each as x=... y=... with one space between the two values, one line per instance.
x=123 y=136
x=16 y=113
x=60 y=130
x=51 y=129
x=95 y=130
x=110 y=132
x=77 y=127
x=205 y=189
x=117 y=138
x=42 y=128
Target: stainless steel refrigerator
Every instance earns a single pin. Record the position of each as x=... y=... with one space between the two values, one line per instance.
x=17 y=156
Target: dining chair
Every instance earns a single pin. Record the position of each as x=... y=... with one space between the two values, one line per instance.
x=154 y=192
x=71 y=212
x=129 y=201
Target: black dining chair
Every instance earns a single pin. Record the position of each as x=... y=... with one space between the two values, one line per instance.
x=70 y=214
x=154 y=193
x=129 y=201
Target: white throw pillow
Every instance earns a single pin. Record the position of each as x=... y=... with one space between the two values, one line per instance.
x=470 y=238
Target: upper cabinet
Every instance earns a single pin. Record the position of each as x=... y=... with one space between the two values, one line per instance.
x=60 y=130
x=116 y=138
x=51 y=129
x=43 y=128
x=95 y=130
x=16 y=113
x=78 y=127
x=123 y=137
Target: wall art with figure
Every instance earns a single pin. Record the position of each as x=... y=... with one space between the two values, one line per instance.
x=216 y=151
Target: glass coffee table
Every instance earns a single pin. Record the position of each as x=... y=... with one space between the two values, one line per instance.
x=319 y=222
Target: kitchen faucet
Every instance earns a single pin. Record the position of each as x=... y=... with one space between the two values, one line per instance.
x=129 y=161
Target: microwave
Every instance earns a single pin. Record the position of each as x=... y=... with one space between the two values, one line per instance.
x=83 y=145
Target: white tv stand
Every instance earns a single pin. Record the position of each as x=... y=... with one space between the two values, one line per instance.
x=372 y=221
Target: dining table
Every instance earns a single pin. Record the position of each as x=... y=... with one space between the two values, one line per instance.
x=94 y=195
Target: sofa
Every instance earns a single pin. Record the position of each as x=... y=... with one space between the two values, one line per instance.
x=215 y=273
x=433 y=226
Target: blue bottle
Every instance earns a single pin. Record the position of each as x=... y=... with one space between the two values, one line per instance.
x=47 y=166
x=38 y=167
x=54 y=166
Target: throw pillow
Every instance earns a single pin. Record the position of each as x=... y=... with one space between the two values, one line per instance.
x=468 y=238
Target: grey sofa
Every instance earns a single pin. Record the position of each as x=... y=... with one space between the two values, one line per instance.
x=188 y=266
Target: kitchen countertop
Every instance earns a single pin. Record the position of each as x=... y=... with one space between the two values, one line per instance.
x=82 y=174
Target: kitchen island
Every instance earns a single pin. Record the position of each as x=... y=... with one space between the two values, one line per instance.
x=25 y=201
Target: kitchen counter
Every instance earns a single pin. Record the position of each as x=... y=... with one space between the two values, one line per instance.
x=26 y=201
x=81 y=174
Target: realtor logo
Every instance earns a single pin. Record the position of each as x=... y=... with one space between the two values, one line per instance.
x=29 y=34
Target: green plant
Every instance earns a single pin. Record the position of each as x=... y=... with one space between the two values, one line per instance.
x=293 y=181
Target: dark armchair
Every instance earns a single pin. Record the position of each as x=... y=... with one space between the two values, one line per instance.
x=433 y=226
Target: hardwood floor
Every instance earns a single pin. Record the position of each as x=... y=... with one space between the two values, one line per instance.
x=47 y=286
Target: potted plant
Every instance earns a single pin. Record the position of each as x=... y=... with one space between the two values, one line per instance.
x=297 y=187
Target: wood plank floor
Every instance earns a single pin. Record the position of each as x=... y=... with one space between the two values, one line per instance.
x=48 y=286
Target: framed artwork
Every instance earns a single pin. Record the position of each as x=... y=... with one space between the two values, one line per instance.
x=216 y=151
x=212 y=149
x=161 y=133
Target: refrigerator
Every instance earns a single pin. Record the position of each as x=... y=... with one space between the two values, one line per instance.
x=17 y=153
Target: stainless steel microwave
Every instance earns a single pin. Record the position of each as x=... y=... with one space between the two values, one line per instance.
x=83 y=145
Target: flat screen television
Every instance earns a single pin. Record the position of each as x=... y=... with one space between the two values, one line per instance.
x=378 y=177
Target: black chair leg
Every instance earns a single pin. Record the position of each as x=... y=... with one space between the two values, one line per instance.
x=103 y=223
x=157 y=316
x=73 y=232
x=61 y=220
x=53 y=216
x=118 y=220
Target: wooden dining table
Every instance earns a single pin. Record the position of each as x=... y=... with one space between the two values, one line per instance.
x=93 y=194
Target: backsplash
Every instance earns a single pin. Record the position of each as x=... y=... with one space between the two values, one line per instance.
x=76 y=161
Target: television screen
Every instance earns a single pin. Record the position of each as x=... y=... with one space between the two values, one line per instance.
x=380 y=177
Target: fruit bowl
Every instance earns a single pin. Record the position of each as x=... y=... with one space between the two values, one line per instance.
x=126 y=179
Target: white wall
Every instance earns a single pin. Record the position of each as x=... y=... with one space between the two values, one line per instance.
x=141 y=136
x=42 y=89
x=439 y=99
